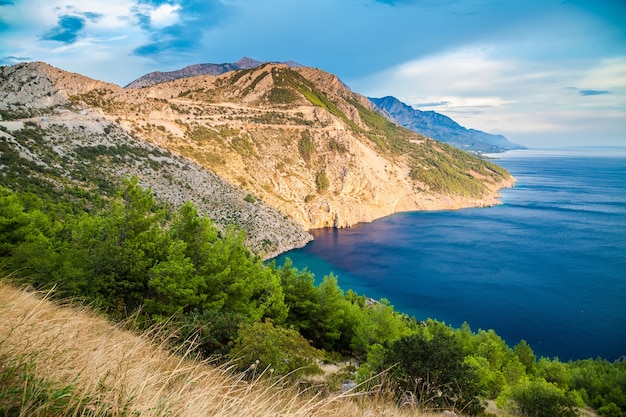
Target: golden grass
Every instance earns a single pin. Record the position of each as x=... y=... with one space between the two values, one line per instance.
x=58 y=359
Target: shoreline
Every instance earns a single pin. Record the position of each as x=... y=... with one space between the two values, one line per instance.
x=427 y=203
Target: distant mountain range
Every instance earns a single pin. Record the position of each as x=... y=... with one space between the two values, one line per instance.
x=158 y=77
x=440 y=127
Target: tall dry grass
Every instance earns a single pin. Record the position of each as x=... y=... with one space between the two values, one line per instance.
x=62 y=360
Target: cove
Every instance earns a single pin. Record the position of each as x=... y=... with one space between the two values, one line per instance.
x=547 y=266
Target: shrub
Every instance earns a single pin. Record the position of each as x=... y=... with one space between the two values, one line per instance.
x=213 y=332
x=321 y=181
x=306 y=147
x=431 y=369
x=281 y=96
x=540 y=398
x=263 y=346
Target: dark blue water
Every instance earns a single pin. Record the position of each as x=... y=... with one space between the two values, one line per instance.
x=547 y=266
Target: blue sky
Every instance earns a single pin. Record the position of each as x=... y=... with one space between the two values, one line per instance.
x=543 y=73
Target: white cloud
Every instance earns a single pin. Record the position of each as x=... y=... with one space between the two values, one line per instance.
x=608 y=74
x=37 y=14
x=164 y=15
x=482 y=88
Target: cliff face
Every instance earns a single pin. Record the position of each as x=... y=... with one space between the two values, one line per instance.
x=442 y=128
x=295 y=139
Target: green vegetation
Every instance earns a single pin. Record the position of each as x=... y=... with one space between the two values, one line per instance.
x=431 y=367
x=134 y=259
x=14 y=114
x=242 y=145
x=435 y=166
x=44 y=170
x=58 y=359
x=103 y=98
x=306 y=146
x=278 y=95
x=321 y=181
x=336 y=146
x=438 y=166
x=23 y=393
x=67 y=225
x=203 y=134
x=292 y=81
x=389 y=137
x=263 y=346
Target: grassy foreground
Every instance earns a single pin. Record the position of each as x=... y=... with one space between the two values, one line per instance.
x=62 y=360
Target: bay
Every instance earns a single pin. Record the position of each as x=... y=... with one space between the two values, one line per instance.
x=547 y=266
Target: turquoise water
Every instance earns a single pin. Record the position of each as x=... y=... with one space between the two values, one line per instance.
x=547 y=266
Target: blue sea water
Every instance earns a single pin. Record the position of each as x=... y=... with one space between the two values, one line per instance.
x=547 y=266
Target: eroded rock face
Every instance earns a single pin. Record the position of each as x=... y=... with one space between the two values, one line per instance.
x=40 y=86
x=305 y=147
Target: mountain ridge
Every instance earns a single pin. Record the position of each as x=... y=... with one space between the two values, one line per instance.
x=296 y=140
x=193 y=70
x=441 y=127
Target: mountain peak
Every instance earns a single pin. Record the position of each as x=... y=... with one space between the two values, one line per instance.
x=247 y=63
x=158 y=77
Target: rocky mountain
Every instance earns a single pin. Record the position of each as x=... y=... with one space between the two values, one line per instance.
x=199 y=69
x=440 y=127
x=263 y=148
x=45 y=141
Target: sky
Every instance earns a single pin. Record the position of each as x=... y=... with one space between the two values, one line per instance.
x=544 y=73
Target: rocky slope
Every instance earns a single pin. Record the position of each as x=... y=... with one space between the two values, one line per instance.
x=46 y=139
x=295 y=139
x=440 y=127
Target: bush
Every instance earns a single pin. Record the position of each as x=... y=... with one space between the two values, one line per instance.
x=321 y=181
x=430 y=368
x=306 y=146
x=540 y=398
x=212 y=332
x=263 y=346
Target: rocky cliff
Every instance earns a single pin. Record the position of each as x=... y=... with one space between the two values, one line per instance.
x=294 y=139
x=440 y=127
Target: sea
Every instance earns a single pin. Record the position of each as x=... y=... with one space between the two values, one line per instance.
x=548 y=265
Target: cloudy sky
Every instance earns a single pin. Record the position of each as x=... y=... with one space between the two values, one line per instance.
x=542 y=72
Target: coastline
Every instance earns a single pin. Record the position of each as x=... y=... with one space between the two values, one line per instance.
x=421 y=203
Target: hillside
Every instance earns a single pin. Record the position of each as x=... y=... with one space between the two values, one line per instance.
x=46 y=143
x=440 y=127
x=60 y=360
x=295 y=139
x=235 y=144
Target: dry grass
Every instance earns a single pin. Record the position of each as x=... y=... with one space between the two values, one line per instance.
x=63 y=360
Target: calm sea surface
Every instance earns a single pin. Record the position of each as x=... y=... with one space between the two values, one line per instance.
x=547 y=266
